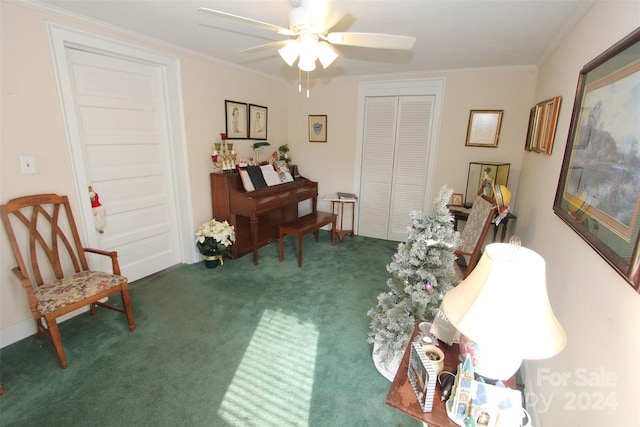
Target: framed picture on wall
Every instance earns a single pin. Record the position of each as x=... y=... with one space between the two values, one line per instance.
x=318 y=128
x=598 y=192
x=257 y=122
x=236 y=119
x=546 y=123
x=484 y=128
x=532 y=131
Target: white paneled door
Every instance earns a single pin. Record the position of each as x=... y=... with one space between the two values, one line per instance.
x=121 y=125
x=395 y=158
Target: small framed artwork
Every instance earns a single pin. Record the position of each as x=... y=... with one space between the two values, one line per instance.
x=484 y=128
x=532 y=132
x=546 y=124
x=457 y=199
x=257 y=122
x=598 y=192
x=318 y=128
x=236 y=119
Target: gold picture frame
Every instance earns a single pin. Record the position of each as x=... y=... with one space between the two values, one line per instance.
x=457 y=199
x=532 y=130
x=545 y=123
x=484 y=128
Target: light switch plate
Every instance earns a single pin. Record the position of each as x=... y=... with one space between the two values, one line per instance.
x=27 y=165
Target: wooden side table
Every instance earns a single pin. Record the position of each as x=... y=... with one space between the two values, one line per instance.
x=402 y=397
x=341 y=232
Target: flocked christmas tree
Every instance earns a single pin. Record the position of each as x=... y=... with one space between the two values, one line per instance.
x=421 y=273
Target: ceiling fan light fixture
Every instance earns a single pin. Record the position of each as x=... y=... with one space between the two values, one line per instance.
x=326 y=54
x=308 y=51
x=307 y=61
x=309 y=22
x=290 y=52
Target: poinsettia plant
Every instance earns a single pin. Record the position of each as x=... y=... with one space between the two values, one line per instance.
x=215 y=237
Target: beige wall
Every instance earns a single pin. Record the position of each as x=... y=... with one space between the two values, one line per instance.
x=32 y=124
x=599 y=310
x=31 y=97
x=333 y=163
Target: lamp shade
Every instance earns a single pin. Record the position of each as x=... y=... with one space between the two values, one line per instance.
x=307 y=61
x=290 y=51
x=308 y=51
x=503 y=303
x=326 y=54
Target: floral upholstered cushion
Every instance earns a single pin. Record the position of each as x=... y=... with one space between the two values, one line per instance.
x=475 y=223
x=77 y=287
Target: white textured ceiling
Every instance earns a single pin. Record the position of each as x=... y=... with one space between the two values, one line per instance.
x=450 y=34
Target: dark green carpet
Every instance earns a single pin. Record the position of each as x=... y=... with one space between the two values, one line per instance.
x=272 y=345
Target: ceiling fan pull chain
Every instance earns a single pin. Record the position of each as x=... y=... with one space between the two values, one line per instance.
x=307 y=84
x=299 y=80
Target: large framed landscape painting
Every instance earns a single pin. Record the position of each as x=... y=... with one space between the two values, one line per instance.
x=598 y=192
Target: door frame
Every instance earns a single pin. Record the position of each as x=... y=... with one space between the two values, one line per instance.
x=434 y=87
x=60 y=38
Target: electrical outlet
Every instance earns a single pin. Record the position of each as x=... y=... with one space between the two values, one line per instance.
x=27 y=165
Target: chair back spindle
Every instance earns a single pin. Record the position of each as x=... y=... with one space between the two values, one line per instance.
x=49 y=237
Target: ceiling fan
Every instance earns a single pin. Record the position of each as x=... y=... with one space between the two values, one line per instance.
x=311 y=36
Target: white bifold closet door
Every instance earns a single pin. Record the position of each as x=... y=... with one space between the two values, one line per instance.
x=396 y=142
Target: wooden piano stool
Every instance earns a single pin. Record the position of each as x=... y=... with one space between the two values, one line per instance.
x=304 y=225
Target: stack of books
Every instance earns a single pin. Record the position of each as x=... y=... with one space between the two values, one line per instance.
x=347 y=197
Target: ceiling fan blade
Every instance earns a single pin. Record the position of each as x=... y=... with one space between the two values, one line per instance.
x=265 y=25
x=373 y=40
x=264 y=46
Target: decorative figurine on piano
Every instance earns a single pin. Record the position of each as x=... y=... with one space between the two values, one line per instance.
x=283 y=150
x=223 y=156
x=257 y=147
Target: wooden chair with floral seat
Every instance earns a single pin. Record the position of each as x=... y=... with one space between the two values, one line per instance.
x=472 y=236
x=54 y=272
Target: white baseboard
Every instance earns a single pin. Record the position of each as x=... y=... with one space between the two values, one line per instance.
x=17 y=332
x=22 y=330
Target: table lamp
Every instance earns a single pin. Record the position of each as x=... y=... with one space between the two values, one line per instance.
x=503 y=313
